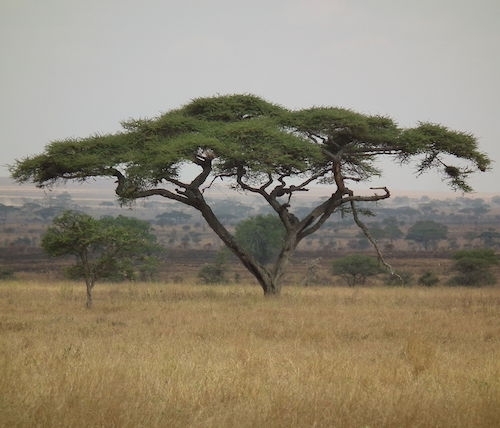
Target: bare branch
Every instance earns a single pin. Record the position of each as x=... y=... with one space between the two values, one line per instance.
x=370 y=238
x=221 y=176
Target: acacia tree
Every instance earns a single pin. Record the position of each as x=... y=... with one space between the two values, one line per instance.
x=104 y=248
x=263 y=149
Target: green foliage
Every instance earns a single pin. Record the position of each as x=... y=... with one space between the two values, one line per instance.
x=107 y=248
x=356 y=268
x=427 y=233
x=430 y=141
x=258 y=147
x=428 y=279
x=262 y=236
x=473 y=267
x=245 y=131
x=214 y=273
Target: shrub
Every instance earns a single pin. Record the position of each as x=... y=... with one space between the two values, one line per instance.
x=473 y=267
x=356 y=268
x=214 y=273
x=428 y=279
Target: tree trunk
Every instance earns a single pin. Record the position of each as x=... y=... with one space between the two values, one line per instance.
x=272 y=288
x=281 y=264
x=90 y=286
x=268 y=281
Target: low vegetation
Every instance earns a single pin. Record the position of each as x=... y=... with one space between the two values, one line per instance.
x=221 y=356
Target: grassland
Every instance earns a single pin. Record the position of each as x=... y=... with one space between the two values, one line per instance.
x=196 y=356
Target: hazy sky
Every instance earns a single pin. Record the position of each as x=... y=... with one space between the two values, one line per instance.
x=71 y=68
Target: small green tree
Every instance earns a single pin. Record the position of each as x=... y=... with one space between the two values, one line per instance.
x=262 y=236
x=356 y=268
x=427 y=233
x=109 y=248
x=473 y=267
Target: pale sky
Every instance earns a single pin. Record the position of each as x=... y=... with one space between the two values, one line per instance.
x=71 y=68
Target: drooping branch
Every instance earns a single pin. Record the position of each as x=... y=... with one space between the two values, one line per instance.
x=370 y=238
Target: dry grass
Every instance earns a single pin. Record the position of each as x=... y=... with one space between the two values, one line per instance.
x=198 y=356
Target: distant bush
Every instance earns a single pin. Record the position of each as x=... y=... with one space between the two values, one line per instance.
x=356 y=268
x=214 y=273
x=473 y=267
x=6 y=274
x=428 y=279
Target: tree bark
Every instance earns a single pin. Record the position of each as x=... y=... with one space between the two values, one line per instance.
x=264 y=277
x=90 y=286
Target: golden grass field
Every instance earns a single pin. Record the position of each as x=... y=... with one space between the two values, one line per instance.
x=164 y=355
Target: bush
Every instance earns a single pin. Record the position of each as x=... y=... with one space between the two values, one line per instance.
x=214 y=273
x=473 y=267
x=356 y=268
x=428 y=279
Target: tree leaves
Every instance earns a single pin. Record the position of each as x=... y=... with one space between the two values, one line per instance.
x=246 y=133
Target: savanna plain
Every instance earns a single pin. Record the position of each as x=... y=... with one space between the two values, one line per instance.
x=186 y=355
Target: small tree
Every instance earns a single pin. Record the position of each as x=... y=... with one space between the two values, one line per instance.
x=427 y=233
x=356 y=268
x=106 y=248
x=473 y=267
x=262 y=236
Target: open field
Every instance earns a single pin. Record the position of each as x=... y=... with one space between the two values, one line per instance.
x=223 y=356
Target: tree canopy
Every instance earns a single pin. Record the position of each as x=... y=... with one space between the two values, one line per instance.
x=261 y=148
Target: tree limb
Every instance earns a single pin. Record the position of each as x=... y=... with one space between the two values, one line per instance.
x=370 y=238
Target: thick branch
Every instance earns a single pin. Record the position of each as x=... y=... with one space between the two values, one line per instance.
x=202 y=177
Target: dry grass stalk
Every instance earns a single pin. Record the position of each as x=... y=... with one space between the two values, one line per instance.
x=198 y=356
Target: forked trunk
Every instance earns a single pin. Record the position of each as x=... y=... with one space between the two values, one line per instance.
x=273 y=288
x=269 y=280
